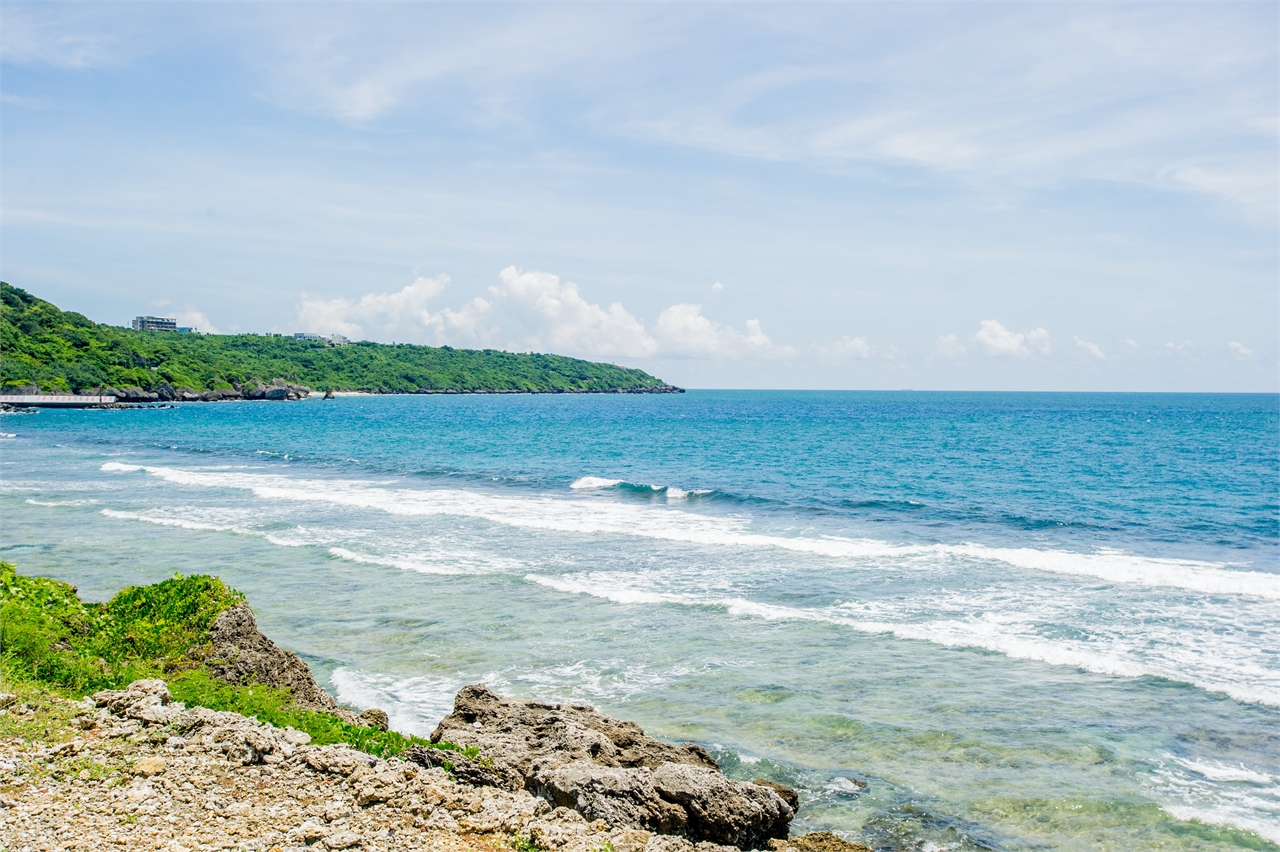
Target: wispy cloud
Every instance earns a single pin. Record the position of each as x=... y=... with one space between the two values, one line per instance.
x=1092 y=348
x=1241 y=351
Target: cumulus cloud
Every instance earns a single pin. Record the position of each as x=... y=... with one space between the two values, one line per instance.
x=717 y=288
x=552 y=314
x=1185 y=346
x=683 y=332
x=994 y=339
x=1092 y=348
x=401 y=316
x=1241 y=351
x=534 y=311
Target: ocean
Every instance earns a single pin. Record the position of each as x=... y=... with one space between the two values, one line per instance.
x=953 y=621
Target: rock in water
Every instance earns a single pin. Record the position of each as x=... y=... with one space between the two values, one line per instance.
x=608 y=769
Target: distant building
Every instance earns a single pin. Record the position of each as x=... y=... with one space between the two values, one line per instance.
x=155 y=324
x=331 y=339
x=188 y=329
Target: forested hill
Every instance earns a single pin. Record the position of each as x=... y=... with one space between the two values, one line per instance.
x=62 y=351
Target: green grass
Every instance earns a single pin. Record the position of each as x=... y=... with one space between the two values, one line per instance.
x=198 y=687
x=48 y=635
x=62 y=351
x=52 y=643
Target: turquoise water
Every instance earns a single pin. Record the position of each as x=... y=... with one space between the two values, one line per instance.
x=953 y=621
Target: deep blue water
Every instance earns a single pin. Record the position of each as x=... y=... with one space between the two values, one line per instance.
x=1020 y=620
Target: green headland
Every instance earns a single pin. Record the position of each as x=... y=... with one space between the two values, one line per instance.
x=65 y=352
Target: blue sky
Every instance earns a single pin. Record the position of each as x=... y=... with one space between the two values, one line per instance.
x=997 y=196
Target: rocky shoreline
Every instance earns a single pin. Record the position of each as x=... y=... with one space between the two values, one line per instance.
x=134 y=769
x=281 y=390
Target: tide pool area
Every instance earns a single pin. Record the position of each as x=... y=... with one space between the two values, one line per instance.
x=951 y=621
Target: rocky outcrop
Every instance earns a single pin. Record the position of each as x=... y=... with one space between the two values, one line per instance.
x=526 y=737
x=608 y=769
x=242 y=654
x=279 y=389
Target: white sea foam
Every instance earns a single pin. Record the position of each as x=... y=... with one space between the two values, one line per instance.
x=1238 y=796
x=56 y=503
x=593 y=482
x=647 y=521
x=1013 y=633
x=403 y=564
x=414 y=705
x=1215 y=771
x=169 y=521
x=617 y=594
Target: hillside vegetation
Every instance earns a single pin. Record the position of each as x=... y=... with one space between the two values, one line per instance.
x=61 y=351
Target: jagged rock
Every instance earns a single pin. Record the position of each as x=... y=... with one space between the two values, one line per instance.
x=132 y=394
x=276 y=393
x=723 y=811
x=462 y=768
x=167 y=392
x=825 y=841
x=791 y=797
x=147 y=700
x=243 y=655
x=328 y=394
x=617 y=796
x=608 y=769
x=526 y=737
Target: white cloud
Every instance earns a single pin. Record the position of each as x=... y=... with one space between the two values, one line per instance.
x=1241 y=351
x=552 y=315
x=402 y=316
x=1185 y=346
x=683 y=332
x=1092 y=348
x=534 y=311
x=994 y=339
x=717 y=288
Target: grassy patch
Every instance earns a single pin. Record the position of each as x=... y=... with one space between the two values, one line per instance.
x=48 y=635
x=52 y=644
x=273 y=706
